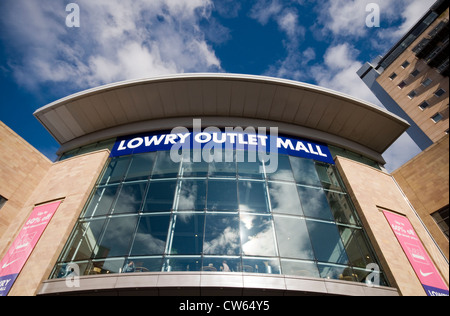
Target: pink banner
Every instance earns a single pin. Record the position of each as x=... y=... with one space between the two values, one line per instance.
x=422 y=264
x=23 y=245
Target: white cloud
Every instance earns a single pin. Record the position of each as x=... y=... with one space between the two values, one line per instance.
x=403 y=150
x=338 y=72
x=286 y=16
x=412 y=11
x=116 y=40
x=264 y=10
x=344 y=17
x=347 y=18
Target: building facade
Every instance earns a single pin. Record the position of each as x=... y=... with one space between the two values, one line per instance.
x=213 y=184
x=411 y=80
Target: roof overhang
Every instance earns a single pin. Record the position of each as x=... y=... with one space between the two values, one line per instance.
x=221 y=95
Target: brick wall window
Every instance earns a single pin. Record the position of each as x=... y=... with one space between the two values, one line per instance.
x=2 y=201
x=441 y=218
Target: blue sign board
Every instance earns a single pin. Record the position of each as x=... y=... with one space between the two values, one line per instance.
x=150 y=142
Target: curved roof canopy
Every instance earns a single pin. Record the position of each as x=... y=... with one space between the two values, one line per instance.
x=221 y=95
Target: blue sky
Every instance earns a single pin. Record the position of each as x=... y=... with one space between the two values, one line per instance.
x=318 y=42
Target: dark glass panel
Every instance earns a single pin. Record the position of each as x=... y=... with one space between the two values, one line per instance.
x=326 y=242
x=222 y=195
x=165 y=167
x=141 y=167
x=116 y=170
x=130 y=198
x=192 y=195
x=160 y=196
x=357 y=247
x=151 y=235
x=117 y=238
x=187 y=234
x=101 y=201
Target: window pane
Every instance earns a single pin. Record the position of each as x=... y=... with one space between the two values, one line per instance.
x=222 y=264
x=102 y=201
x=326 y=242
x=222 y=235
x=222 y=195
x=116 y=170
x=223 y=164
x=160 y=196
x=280 y=203
x=405 y=64
x=336 y=272
x=116 y=240
x=293 y=238
x=141 y=167
x=328 y=176
x=284 y=171
x=253 y=197
x=66 y=270
x=301 y=268
x=151 y=235
x=249 y=165
x=106 y=266
x=340 y=207
x=437 y=117
x=140 y=264
x=304 y=171
x=182 y=263
x=314 y=203
x=165 y=167
x=130 y=198
x=370 y=277
x=257 y=235
x=356 y=246
x=194 y=165
x=261 y=265
x=439 y=92
x=187 y=234
x=83 y=241
x=192 y=195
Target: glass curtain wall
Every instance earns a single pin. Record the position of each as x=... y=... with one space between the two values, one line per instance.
x=150 y=214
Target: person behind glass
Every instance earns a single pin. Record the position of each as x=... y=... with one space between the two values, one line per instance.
x=225 y=267
x=129 y=267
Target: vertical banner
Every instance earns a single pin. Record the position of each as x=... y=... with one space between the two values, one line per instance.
x=23 y=245
x=422 y=264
